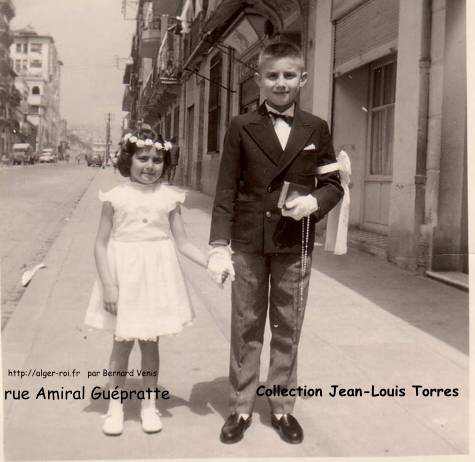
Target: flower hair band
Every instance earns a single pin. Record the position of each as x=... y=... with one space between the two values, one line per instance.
x=147 y=142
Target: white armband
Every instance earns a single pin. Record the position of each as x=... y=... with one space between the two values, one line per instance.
x=328 y=168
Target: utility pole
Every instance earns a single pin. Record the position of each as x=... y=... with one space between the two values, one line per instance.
x=108 y=137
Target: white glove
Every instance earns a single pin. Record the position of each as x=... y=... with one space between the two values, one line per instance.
x=300 y=207
x=220 y=264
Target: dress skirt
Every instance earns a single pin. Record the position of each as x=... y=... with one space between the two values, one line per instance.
x=153 y=296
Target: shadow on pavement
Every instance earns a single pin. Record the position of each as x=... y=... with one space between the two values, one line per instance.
x=435 y=308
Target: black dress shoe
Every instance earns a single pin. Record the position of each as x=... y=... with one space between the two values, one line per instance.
x=288 y=427
x=234 y=428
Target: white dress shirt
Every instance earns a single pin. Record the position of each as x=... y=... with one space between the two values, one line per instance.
x=281 y=127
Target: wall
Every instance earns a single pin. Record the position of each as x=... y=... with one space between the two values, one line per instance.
x=407 y=199
x=189 y=147
x=210 y=160
x=450 y=238
x=316 y=95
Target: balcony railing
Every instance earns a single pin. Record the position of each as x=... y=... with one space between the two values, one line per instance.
x=169 y=62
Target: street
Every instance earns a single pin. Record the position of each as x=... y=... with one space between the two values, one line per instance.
x=376 y=342
x=36 y=202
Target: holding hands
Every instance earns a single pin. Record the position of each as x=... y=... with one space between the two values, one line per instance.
x=220 y=264
x=299 y=207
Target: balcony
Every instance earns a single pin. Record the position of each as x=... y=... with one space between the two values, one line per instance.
x=126 y=80
x=37 y=100
x=150 y=39
x=128 y=99
x=169 y=60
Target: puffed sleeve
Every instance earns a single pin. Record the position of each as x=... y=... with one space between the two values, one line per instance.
x=114 y=195
x=175 y=197
x=105 y=196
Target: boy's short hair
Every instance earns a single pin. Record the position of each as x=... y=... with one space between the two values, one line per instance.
x=128 y=149
x=278 y=50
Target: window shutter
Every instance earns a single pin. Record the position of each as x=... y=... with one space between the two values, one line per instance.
x=361 y=35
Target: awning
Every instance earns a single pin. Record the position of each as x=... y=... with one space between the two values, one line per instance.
x=223 y=12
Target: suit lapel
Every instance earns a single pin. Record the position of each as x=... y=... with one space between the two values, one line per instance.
x=262 y=132
x=299 y=135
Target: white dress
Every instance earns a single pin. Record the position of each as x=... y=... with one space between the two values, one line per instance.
x=153 y=297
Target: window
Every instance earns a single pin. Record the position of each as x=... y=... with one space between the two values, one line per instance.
x=214 y=107
x=36 y=47
x=17 y=65
x=381 y=113
x=35 y=90
x=24 y=65
x=36 y=63
x=34 y=109
x=25 y=48
x=18 y=47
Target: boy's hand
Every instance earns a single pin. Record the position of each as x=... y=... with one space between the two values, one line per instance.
x=220 y=264
x=300 y=207
x=111 y=295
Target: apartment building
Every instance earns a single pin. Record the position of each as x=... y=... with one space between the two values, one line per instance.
x=35 y=60
x=9 y=97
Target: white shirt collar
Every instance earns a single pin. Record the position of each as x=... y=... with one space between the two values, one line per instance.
x=288 y=112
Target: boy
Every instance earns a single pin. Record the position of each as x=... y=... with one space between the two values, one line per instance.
x=262 y=149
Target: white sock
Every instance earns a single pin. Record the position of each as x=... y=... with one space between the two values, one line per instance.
x=244 y=416
x=148 y=404
x=114 y=406
x=278 y=416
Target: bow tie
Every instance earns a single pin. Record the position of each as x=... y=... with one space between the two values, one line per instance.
x=286 y=118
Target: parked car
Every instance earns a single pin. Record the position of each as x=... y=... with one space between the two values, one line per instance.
x=94 y=160
x=47 y=156
x=22 y=153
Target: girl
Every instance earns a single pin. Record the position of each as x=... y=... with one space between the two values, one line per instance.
x=142 y=294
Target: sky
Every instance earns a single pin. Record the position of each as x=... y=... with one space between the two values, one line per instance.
x=88 y=35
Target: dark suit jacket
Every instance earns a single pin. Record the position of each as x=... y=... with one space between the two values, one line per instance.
x=252 y=170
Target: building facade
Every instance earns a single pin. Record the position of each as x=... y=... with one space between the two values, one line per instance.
x=9 y=96
x=35 y=60
x=388 y=75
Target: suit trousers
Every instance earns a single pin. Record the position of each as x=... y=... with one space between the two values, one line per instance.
x=265 y=283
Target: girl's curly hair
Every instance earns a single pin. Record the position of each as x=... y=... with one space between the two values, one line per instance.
x=128 y=149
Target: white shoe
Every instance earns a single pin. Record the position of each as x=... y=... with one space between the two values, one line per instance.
x=151 y=422
x=113 y=423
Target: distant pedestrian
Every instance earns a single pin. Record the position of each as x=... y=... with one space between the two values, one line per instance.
x=174 y=156
x=141 y=293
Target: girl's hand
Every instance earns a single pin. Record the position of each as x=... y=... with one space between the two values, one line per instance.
x=111 y=295
x=220 y=264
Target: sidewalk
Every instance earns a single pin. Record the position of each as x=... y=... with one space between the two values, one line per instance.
x=367 y=323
